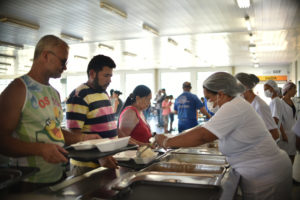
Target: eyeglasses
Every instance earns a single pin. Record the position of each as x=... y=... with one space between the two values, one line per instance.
x=63 y=62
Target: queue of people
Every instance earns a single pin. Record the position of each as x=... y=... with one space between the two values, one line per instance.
x=256 y=139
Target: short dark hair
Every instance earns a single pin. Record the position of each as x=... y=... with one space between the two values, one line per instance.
x=98 y=62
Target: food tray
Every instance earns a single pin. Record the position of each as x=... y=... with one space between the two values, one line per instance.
x=175 y=157
x=104 y=144
x=199 y=151
x=131 y=163
x=94 y=154
x=162 y=185
x=186 y=168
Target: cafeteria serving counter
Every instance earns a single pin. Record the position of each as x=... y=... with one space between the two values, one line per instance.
x=175 y=176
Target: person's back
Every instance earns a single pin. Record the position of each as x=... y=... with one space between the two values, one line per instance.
x=264 y=111
x=186 y=106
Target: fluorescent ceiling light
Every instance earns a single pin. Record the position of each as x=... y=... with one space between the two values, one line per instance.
x=243 y=3
x=248 y=24
x=252 y=39
x=105 y=46
x=126 y=53
x=7 y=56
x=188 y=51
x=7 y=44
x=256 y=65
x=172 y=41
x=150 y=29
x=71 y=37
x=252 y=48
x=19 y=22
x=113 y=9
x=1 y=68
x=80 y=57
x=5 y=64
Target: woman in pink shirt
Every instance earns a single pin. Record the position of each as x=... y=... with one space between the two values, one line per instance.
x=166 y=107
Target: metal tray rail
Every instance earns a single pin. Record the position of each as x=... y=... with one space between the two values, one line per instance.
x=175 y=157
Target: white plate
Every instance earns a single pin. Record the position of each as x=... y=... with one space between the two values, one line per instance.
x=113 y=144
x=88 y=144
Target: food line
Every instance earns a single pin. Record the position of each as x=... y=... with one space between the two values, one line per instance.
x=184 y=172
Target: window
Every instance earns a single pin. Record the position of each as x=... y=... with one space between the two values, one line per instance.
x=172 y=82
x=201 y=77
x=74 y=81
x=133 y=80
x=115 y=84
x=4 y=83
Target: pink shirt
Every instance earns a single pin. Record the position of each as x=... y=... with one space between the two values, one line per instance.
x=166 y=111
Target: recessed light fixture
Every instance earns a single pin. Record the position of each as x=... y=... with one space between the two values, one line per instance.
x=126 y=53
x=256 y=65
x=188 y=51
x=248 y=24
x=113 y=9
x=19 y=22
x=170 y=40
x=252 y=48
x=80 y=57
x=106 y=46
x=71 y=37
x=150 y=29
x=243 y=3
x=7 y=44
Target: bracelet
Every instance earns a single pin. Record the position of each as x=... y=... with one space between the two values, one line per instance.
x=165 y=142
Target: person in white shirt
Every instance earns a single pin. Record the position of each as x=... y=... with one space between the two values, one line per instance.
x=266 y=171
x=250 y=81
x=289 y=116
x=271 y=90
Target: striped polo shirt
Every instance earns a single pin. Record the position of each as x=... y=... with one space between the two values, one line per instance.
x=91 y=111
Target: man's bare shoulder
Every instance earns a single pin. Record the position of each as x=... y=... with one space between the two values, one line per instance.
x=14 y=92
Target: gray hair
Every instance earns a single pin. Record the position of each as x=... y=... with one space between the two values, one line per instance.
x=248 y=80
x=48 y=41
x=225 y=82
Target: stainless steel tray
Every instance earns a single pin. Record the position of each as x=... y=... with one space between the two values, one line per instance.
x=194 y=158
x=182 y=179
x=199 y=151
x=186 y=168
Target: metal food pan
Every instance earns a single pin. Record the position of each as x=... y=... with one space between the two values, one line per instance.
x=194 y=158
x=186 y=168
x=199 y=151
x=172 y=178
x=161 y=191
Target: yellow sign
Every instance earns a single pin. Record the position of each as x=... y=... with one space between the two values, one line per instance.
x=274 y=78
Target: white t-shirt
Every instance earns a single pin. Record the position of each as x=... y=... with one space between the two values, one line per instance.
x=288 y=121
x=264 y=112
x=248 y=145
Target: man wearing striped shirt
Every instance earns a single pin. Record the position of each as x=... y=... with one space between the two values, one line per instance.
x=89 y=110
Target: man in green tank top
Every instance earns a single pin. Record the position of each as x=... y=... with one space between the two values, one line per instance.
x=31 y=115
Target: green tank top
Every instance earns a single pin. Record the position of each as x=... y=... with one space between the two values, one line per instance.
x=40 y=121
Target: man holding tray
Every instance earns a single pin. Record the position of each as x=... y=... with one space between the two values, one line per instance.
x=89 y=110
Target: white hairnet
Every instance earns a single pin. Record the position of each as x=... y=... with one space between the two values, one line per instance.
x=248 y=80
x=222 y=81
x=287 y=86
x=273 y=85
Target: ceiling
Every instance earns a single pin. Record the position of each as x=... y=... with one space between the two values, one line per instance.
x=207 y=33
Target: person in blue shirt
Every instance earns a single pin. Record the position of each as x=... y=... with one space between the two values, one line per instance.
x=186 y=107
